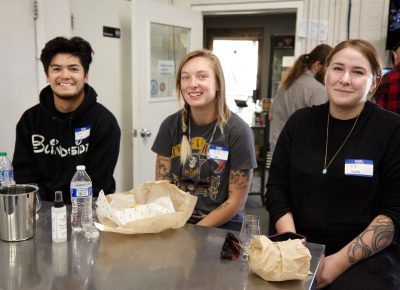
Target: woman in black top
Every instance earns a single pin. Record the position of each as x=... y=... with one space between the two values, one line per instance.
x=335 y=176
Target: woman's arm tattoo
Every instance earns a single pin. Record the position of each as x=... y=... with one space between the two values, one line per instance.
x=380 y=235
x=222 y=206
x=163 y=168
x=240 y=179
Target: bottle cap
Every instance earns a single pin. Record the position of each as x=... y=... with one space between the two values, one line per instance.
x=3 y=153
x=58 y=199
x=80 y=167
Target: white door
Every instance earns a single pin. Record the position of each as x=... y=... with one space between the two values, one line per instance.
x=106 y=25
x=150 y=111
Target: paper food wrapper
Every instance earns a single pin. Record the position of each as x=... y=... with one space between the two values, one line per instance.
x=150 y=208
x=279 y=261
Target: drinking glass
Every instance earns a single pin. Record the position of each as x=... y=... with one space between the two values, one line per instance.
x=250 y=228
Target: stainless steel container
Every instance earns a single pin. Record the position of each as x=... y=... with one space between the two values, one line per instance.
x=17 y=212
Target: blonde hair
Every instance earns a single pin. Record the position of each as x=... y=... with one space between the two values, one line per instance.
x=222 y=108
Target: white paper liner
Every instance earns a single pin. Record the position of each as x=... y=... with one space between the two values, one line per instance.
x=150 y=208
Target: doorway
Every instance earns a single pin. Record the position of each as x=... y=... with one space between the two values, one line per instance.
x=253 y=27
x=240 y=53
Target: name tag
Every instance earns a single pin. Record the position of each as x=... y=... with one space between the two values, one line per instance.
x=218 y=153
x=82 y=133
x=359 y=167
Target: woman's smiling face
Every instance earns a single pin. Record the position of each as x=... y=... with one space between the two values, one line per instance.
x=198 y=82
x=349 y=79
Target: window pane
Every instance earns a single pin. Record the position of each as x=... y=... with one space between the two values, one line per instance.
x=169 y=44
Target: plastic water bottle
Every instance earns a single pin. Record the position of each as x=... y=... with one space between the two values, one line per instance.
x=82 y=205
x=6 y=170
x=81 y=199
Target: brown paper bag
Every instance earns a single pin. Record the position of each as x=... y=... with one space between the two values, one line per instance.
x=183 y=204
x=279 y=261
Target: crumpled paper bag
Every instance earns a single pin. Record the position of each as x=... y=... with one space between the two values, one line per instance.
x=120 y=212
x=279 y=261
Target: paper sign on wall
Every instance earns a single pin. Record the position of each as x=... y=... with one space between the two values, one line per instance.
x=166 y=67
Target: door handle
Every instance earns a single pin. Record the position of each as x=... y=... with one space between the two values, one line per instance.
x=145 y=133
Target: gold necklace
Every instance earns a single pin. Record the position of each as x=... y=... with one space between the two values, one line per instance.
x=325 y=170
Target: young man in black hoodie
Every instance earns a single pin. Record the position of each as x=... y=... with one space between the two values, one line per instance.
x=68 y=127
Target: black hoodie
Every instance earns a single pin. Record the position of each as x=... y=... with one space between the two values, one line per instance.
x=49 y=145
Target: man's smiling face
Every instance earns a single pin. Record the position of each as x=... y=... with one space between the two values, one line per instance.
x=66 y=77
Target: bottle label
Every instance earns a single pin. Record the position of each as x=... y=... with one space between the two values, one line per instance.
x=6 y=175
x=11 y=174
x=81 y=191
x=59 y=225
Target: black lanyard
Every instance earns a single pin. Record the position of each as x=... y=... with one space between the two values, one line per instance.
x=212 y=135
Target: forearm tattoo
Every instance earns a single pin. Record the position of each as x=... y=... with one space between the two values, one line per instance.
x=224 y=205
x=380 y=234
x=240 y=179
x=163 y=168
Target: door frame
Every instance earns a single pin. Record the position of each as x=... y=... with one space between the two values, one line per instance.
x=262 y=7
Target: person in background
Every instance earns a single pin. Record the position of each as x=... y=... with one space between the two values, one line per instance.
x=388 y=93
x=204 y=148
x=335 y=176
x=301 y=87
x=68 y=127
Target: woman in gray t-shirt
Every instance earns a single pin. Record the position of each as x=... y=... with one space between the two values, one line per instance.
x=204 y=148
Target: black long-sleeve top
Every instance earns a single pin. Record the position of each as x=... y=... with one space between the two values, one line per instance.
x=334 y=208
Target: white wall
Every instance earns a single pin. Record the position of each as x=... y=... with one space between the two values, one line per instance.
x=368 y=20
x=21 y=73
x=53 y=20
x=17 y=67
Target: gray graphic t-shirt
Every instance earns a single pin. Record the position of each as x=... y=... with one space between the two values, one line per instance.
x=206 y=174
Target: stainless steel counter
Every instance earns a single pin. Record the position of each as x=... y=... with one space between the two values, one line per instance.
x=187 y=258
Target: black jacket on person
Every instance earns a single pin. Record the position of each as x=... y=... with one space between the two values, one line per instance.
x=49 y=145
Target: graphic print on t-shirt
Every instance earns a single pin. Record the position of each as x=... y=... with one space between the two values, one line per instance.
x=200 y=176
